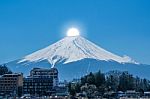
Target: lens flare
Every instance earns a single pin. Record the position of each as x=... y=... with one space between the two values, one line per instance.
x=73 y=32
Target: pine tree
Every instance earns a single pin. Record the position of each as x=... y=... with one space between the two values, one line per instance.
x=99 y=79
x=91 y=78
x=4 y=70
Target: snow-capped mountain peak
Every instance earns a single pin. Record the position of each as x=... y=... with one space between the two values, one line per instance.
x=71 y=49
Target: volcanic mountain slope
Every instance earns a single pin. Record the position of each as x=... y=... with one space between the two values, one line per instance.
x=73 y=49
x=74 y=57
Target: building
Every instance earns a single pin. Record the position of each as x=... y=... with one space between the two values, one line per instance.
x=11 y=84
x=62 y=89
x=41 y=82
x=45 y=73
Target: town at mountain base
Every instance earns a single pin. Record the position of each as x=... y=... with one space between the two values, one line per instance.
x=69 y=68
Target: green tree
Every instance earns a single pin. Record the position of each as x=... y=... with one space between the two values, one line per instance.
x=83 y=80
x=71 y=89
x=137 y=83
x=4 y=70
x=99 y=79
x=126 y=82
x=77 y=87
x=91 y=78
x=112 y=83
x=145 y=84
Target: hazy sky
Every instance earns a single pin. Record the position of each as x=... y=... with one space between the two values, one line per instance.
x=119 y=26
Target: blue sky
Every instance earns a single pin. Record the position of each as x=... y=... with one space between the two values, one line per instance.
x=119 y=26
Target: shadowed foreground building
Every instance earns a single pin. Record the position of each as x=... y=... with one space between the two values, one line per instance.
x=41 y=81
x=11 y=84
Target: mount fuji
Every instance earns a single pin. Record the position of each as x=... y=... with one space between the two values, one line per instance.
x=76 y=56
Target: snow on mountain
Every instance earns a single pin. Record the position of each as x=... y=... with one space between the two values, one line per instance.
x=75 y=57
x=72 y=49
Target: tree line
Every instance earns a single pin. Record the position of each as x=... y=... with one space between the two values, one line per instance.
x=99 y=83
x=4 y=70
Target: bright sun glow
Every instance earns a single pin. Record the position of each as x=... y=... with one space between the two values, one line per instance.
x=73 y=32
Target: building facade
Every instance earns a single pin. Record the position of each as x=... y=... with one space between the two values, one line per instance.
x=41 y=81
x=11 y=84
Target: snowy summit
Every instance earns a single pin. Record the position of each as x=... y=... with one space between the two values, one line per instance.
x=74 y=48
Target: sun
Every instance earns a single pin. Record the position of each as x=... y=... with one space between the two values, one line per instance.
x=73 y=32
